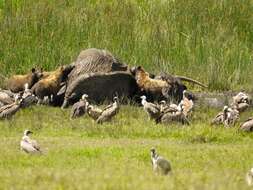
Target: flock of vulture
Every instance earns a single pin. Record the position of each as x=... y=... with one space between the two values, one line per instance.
x=170 y=113
x=97 y=76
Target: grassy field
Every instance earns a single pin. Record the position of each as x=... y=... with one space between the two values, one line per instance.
x=209 y=40
x=80 y=154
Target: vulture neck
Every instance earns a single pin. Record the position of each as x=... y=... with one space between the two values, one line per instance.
x=154 y=156
x=143 y=101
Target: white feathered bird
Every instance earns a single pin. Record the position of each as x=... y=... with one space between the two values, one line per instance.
x=231 y=117
x=29 y=145
x=152 y=110
x=249 y=177
x=186 y=103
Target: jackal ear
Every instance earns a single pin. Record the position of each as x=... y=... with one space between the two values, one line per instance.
x=139 y=67
x=33 y=70
x=62 y=67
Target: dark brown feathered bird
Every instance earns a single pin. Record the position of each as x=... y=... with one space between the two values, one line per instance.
x=79 y=108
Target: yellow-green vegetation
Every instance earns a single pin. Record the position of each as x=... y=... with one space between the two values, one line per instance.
x=79 y=154
x=210 y=40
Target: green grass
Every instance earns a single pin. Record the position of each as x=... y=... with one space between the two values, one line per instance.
x=208 y=40
x=79 y=154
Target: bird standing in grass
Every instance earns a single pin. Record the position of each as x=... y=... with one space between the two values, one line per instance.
x=240 y=98
x=80 y=108
x=164 y=108
x=28 y=145
x=247 y=125
x=249 y=177
x=220 y=117
x=152 y=110
x=227 y=117
x=174 y=114
x=241 y=102
x=187 y=103
x=94 y=112
x=160 y=164
x=109 y=112
x=231 y=116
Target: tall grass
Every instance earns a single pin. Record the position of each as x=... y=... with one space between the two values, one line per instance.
x=208 y=40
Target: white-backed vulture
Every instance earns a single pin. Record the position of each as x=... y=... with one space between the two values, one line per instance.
x=160 y=164
x=249 y=177
x=247 y=125
x=186 y=103
x=241 y=102
x=151 y=109
x=109 y=112
x=227 y=117
x=240 y=98
x=94 y=112
x=28 y=145
x=231 y=117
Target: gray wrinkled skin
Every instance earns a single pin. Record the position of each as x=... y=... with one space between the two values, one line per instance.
x=91 y=61
x=101 y=86
x=95 y=60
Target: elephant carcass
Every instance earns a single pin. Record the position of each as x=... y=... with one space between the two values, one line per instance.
x=95 y=60
x=91 y=61
x=102 y=86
